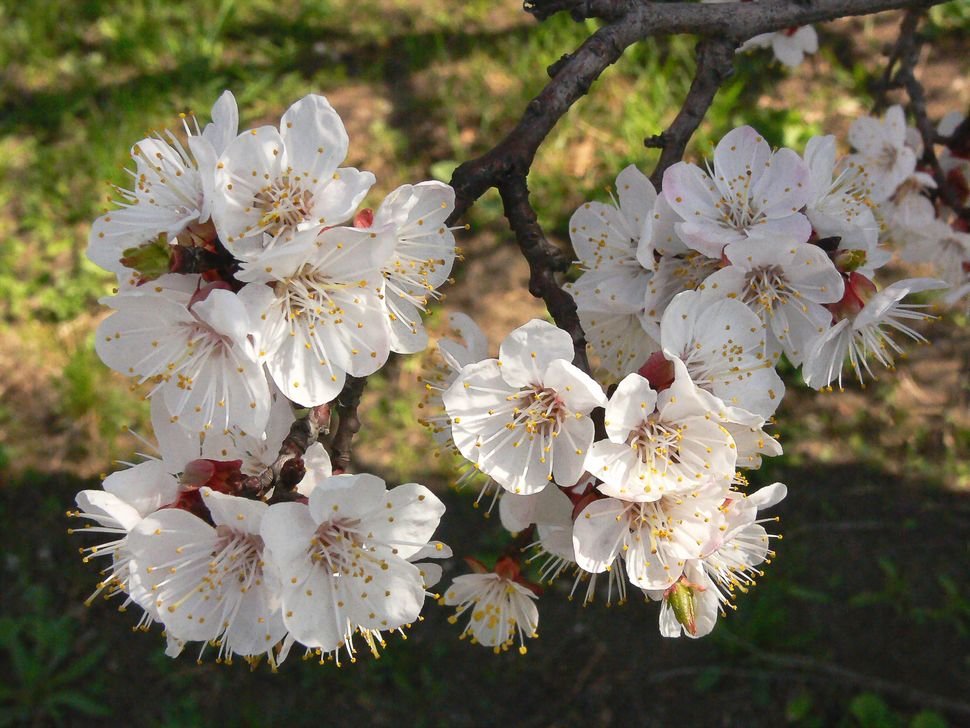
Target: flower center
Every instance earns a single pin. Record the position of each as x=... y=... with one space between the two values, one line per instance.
x=767 y=287
x=541 y=411
x=284 y=204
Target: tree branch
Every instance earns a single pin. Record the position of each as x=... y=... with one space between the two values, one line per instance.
x=632 y=21
x=715 y=63
x=544 y=261
x=348 y=423
x=287 y=470
x=907 y=52
x=735 y=21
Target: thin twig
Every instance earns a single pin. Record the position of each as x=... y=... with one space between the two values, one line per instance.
x=846 y=676
x=281 y=476
x=909 y=46
x=348 y=422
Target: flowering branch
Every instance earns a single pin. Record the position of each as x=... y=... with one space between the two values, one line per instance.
x=905 y=57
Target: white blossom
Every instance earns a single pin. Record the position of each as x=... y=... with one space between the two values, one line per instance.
x=271 y=183
x=790 y=45
x=523 y=418
x=345 y=558
x=317 y=306
x=660 y=443
x=502 y=609
x=882 y=151
x=210 y=582
x=424 y=252
x=866 y=334
x=171 y=195
x=749 y=190
x=785 y=284
x=722 y=343
x=195 y=346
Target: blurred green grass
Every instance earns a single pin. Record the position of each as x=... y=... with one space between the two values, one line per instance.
x=423 y=86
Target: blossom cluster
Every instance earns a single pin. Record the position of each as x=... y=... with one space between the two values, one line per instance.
x=252 y=284
x=250 y=281
x=924 y=231
x=688 y=297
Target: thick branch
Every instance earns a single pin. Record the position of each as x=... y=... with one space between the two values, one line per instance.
x=737 y=21
x=631 y=21
x=715 y=63
x=348 y=423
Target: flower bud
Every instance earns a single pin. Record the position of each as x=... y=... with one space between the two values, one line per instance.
x=658 y=370
x=680 y=597
x=849 y=261
x=150 y=260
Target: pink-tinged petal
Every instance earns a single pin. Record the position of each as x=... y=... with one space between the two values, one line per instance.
x=814 y=275
x=787 y=50
x=108 y=509
x=570 y=449
x=632 y=402
x=315 y=138
x=226 y=314
x=820 y=154
x=310 y=611
x=877 y=307
x=807 y=38
x=894 y=124
x=578 y=390
x=271 y=328
x=177 y=445
x=318 y=468
x=144 y=335
x=740 y=159
x=618 y=340
x=624 y=476
x=637 y=196
x=660 y=236
x=785 y=186
x=690 y=192
x=407 y=332
x=518 y=461
x=336 y=200
x=473 y=345
x=768 y=496
x=354 y=254
x=240 y=514
x=648 y=569
x=225 y=123
x=706 y=237
x=526 y=352
x=550 y=506
x=599 y=533
x=388 y=603
x=794 y=227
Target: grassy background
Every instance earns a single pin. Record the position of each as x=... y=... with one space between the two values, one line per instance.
x=871 y=585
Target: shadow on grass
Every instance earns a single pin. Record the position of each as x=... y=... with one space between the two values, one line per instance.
x=867 y=595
